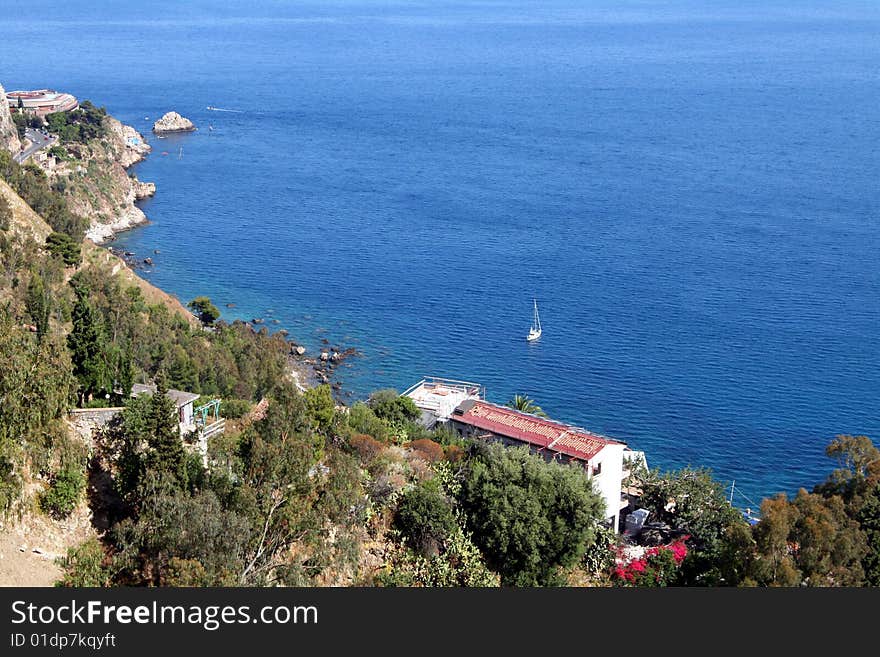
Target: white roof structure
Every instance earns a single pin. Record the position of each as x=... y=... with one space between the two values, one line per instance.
x=437 y=398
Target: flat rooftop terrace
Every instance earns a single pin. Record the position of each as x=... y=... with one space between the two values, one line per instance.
x=440 y=397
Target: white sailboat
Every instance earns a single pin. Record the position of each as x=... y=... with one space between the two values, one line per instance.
x=535 y=331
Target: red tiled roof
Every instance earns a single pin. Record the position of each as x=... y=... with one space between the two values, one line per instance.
x=539 y=432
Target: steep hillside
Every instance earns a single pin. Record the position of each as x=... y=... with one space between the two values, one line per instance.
x=93 y=177
x=25 y=221
x=28 y=232
x=101 y=259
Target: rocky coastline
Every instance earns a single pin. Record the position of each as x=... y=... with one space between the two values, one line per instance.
x=116 y=210
x=109 y=195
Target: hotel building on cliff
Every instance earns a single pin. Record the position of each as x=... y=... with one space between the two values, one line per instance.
x=463 y=406
x=41 y=101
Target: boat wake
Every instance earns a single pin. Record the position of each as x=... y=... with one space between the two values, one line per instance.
x=221 y=109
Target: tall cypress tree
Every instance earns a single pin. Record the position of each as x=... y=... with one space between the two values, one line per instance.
x=166 y=448
x=38 y=304
x=87 y=343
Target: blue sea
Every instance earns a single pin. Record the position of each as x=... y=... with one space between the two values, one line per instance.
x=688 y=188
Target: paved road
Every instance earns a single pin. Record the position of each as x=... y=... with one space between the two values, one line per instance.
x=38 y=141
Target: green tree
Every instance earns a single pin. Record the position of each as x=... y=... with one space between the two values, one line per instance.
x=166 y=455
x=692 y=502
x=392 y=408
x=5 y=214
x=280 y=481
x=868 y=517
x=35 y=389
x=363 y=420
x=808 y=541
x=857 y=458
x=206 y=311
x=320 y=406
x=531 y=519
x=174 y=526
x=65 y=247
x=87 y=344
x=38 y=304
x=526 y=405
x=425 y=519
x=20 y=121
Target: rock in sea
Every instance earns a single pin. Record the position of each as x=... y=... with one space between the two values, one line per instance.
x=173 y=122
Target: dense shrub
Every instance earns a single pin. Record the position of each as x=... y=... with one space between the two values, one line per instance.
x=362 y=419
x=64 y=491
x=366 y=447
x=79 y=125
x=234 y=409
x=85 y=565
x=427 y=449
x=424 y=518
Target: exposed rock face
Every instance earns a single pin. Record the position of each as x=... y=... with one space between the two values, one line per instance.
x=8 y=133
x=173 y=122
x=134 y=148
x=108 y=194
x=143 y=189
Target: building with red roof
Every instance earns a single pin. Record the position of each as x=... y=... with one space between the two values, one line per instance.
x=601 y=457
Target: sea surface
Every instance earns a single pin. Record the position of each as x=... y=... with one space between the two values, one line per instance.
x=688 y=188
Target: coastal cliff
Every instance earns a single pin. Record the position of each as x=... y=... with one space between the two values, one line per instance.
x=173 y=122
x=93 y=177
x=8 y=134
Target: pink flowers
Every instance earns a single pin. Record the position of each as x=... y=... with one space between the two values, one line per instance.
x=654 y=567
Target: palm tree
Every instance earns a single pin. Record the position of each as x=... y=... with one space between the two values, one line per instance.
x=526 y=405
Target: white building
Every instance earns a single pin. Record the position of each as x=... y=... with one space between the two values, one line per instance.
x=437 y=398
x=183 y=402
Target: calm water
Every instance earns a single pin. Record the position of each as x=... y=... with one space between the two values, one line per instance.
x=690 y=193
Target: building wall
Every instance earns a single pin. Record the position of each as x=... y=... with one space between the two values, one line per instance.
x=186 y=413
x=608 y=481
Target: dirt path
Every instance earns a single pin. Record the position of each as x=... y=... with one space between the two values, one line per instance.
x=28 y=549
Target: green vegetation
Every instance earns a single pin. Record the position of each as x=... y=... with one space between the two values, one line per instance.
x=79 y=125
x=526 y=405
x=64 y=492
x=206 y=311
x=84 y=566
x=21 y=124
x=425 y=519
x=60 y=152
x=532 y=520
x=31 y=183
x=5 y=214
x=65 y=247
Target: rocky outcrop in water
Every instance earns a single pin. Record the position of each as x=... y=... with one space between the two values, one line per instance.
x=8 y=133
x=143 y=189
x=173 y=122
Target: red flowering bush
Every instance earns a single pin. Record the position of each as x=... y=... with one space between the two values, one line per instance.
x=655 y=567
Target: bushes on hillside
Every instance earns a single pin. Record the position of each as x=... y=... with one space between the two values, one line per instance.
x=65 y=247
x=64 y=491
